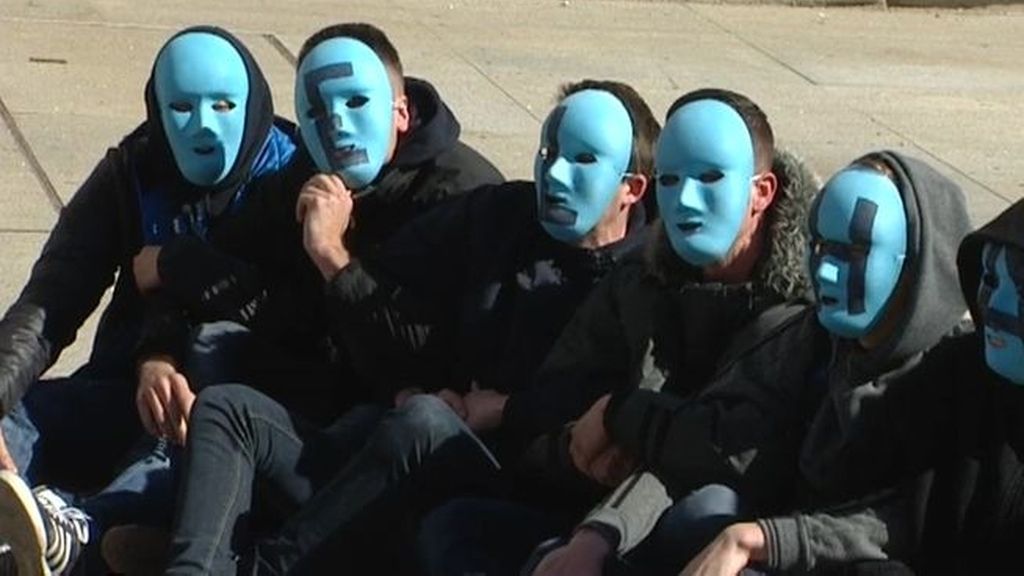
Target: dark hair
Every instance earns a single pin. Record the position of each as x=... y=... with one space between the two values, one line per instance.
x=367 y=34
x=875 y=161
x=645 y=125
x=757 y=123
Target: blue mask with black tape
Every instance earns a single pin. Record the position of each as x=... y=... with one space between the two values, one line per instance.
x=345 y=105
x=999 y=299
x=585 y=148
x=859 y=246
x=704 y=163
x=202 y=88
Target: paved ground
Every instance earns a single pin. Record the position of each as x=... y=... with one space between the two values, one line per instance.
x=945 y=85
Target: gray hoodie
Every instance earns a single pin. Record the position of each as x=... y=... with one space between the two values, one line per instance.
x=933 y=308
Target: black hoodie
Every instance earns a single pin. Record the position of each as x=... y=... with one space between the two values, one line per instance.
x=105 y=224
x=858 y=441
x=261 y=275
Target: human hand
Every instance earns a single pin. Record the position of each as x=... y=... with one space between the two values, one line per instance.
x=405 y=393
x=147 y=277
x=454 y=401
x=729 y=552
x=324 y=209
x=584 y=555
x=484 y=408
x=592 y=451
x=163 y=399
x=6 y=462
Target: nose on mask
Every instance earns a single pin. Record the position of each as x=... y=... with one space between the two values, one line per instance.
x=828 y=272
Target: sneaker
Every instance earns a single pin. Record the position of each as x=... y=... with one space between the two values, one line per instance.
x=44 y=533
x=136 y=550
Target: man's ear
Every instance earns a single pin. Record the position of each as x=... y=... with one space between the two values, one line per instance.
x=763 y=192
x=636 y=188
x=402 y=114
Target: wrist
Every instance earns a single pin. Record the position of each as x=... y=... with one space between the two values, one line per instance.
x=591 y=541
x=330 y=259
x=750 y=537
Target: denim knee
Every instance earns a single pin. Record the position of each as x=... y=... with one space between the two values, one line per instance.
x=421 y=425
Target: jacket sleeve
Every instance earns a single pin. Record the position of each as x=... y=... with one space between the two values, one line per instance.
x=394 y=309
x=864 y=437
x=743 y=430
x=878 y=528
x=226 y=276
x=68 y=279
x=594 y=355
x=631 y=511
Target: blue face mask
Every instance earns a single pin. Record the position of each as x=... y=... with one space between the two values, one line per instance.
x=999 y=298
x=585 y=147
x=705 y=163
x=202 y=88
x=859 y=244
x=345 y=106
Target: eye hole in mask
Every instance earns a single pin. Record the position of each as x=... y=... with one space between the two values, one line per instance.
x=711 y=176
x=586 y=158
x=668 y=180
x=357 y=102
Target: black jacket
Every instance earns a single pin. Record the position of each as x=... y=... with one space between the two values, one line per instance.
x=134 y=196
x=474 y=291
x=261 y=276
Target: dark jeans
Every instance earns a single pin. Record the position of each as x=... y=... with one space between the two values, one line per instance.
x=354 y=480
x=495 y=537
x=72 y=432
x=483 y=536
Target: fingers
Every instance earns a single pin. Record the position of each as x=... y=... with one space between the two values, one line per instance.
x=611 y=466
x=454 y=401
x=152 y=412
x=182 y=400
x=320 y=187
x=6 y=462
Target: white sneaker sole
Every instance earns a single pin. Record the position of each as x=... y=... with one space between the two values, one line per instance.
x=21 y=525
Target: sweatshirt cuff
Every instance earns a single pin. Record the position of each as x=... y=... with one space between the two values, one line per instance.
x=782 y=543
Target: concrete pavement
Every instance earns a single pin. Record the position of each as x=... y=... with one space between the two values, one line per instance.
x=945 y=85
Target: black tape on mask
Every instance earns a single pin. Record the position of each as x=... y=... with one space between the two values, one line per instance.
x=855 y=253
x=997 y=319
x=325 y=127
x=551 y=147
x=861 y=227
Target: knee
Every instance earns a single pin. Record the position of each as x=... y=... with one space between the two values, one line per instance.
x=224 y=404
x=423 y=423
x=710 y=500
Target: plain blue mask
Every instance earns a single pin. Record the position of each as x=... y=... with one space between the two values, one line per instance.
x=999 y=298
x=202 y=88
x=345 y=106
x=858 y=247
x=585 y=148
x=704 y=163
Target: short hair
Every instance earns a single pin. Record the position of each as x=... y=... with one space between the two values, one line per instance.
x=368 y=34
x=876 y=161
x=761 y=135
x=645 y=125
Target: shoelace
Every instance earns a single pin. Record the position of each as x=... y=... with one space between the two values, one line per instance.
x=67 y=530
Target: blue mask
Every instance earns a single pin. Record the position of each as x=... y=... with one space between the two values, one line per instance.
x=999 y=298
x=585 y=147
x=202 y=87
x=859 y=244
x=705 y=163
x=345 y=106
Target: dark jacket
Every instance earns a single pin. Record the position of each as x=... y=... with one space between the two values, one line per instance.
x=655 y=309
x=261 y=276
x=135 y=196
x=844 y=455
x=654 y=324
x=474 y=291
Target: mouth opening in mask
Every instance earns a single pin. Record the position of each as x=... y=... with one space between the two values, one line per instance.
x=347 y=156
x=555 y=211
